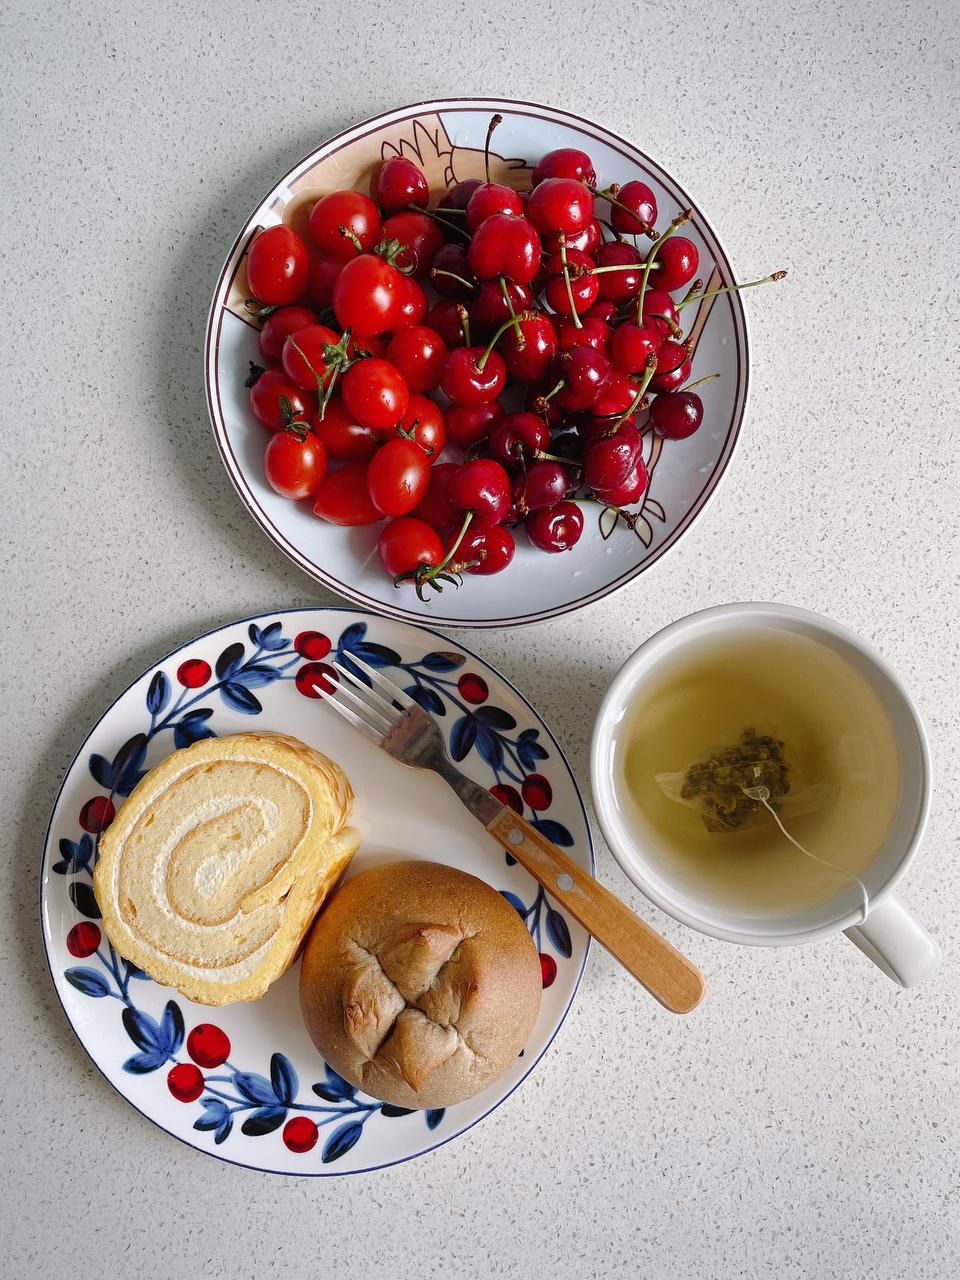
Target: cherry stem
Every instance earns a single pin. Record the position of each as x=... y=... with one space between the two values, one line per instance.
x=338 y=360
x=732 y=288
x=692 y=292
x=578 y=323
x=436 y=271
x=507 y=324
x=649 y=369
x=431 y=213
x=494 y=121
x=700 y=381
x=464 y=318
x=352 y=236
x=521 y=340
x=675 y=225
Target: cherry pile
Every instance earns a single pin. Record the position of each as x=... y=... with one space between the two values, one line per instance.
x=462 y=371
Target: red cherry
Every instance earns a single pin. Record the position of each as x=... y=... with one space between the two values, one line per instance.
x=483 y=488
x=583 y=288
x=585 y=372
x=632 y=345
x=398 y=182
x=560 y=204
x=444 y=318
x=451 y=273
x=505 y=245
x=435 y=508
x=490 y=198
x=641 y=207
x=185 y=1082
x=673 y=367
x=314 y=679
x=658 y=309
x=97 y=814
x=83 y=939
x=537 y=791
x=300 y=1134
x=610 y=459
x=529 y=363
x=459 y=195
x=548 y=969
x=676 y=414
x=463 y=380
x=485 y=551
x=516 y=436
x=542 y=484
x=208 y=1046
x=675 y=264
x=473 y=688
x=194 y=673
x=629 y=490
x=418 y=352
x=507 y=795
x=468 y=424
x=555 y=528
x=564 y=162
x=490 y=309
x=591 y=332
x=621 y=285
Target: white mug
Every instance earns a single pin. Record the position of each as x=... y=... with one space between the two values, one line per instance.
x=889 y=935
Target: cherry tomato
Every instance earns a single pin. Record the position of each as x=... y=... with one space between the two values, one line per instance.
x=342 y=497
x=277 y=328
x=293 y=466
x=304 y=356
x=406 y=543
x=342 y=436
x=419 y=234
x=368 y=295
x=323 y=276
x=397 y=477
x=418 y=352
x=277 y=266
x=413 y=304
x=266 y=393
x=375 y=393
x=340 y=213
x=424 y=421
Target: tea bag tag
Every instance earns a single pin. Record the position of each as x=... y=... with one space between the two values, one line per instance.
x=762 y=795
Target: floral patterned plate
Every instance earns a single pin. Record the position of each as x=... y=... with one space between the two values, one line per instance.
x=446 y=139
x=245 y=1082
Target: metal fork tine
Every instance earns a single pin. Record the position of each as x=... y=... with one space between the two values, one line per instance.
x=388 y=687
x=373 y=734
x=373 y=715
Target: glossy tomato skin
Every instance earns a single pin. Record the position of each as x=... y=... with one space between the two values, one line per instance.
x=304 y=357
x=375 y=393
x=368 y=295
x=265 y=397
x=413 y=305
x=277 y=328
x=406 y=543
x=342 y=436
x=397 y=477
x=344 y=210
x=418 y=352
x=294 y=467
x=425 y=422
x=342 y=497
x=420 y=236
x=278 y=266
x=435 y=507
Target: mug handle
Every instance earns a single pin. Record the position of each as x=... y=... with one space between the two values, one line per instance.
x=896 y=943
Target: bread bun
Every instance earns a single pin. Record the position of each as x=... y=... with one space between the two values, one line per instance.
x=213 y=870
x=419 y=983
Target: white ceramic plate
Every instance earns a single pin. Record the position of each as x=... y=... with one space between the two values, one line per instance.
x=245 y=1082
x=446 y=138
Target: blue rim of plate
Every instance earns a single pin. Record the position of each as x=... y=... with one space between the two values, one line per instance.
x=307 y=611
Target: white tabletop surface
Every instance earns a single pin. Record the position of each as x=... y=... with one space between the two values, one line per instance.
x=805 y=1120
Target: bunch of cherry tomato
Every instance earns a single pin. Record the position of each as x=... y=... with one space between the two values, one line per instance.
x=491 y=402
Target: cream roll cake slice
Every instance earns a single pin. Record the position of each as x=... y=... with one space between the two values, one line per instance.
x=212 y=872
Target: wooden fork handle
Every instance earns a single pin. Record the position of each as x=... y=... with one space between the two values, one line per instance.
x=667 y=975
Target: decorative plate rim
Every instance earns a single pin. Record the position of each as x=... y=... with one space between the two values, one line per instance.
x=46 y=933
x=741 y=397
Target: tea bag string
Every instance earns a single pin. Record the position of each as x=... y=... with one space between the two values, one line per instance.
x=762 y=794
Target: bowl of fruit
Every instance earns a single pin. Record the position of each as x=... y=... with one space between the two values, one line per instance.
x=476 y=361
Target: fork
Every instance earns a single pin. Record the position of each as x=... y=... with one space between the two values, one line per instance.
x=395 y=722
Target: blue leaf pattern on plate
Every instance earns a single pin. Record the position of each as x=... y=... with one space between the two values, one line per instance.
x=88 y=981
x=158 y=694
x=341 y=1140
x=284 y=1079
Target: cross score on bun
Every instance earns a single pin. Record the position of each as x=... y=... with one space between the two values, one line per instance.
x=213 y=870
x=419 y=984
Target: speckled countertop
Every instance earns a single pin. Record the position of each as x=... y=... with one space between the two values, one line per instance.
x=805 y=1120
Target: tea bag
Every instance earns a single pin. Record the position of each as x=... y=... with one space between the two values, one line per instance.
x=740 y=783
